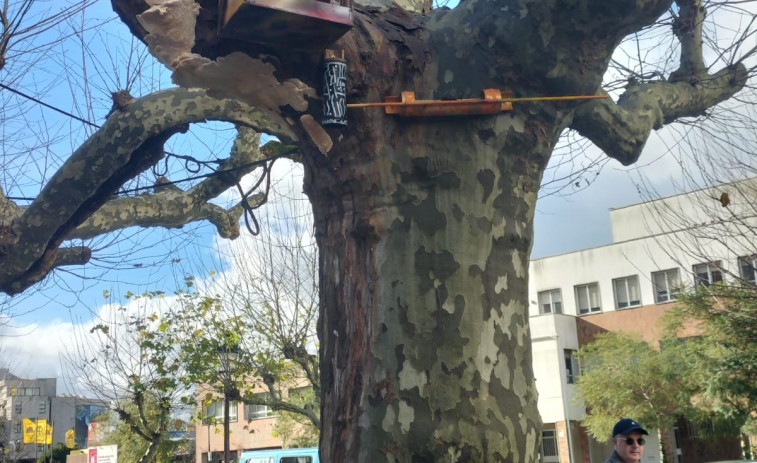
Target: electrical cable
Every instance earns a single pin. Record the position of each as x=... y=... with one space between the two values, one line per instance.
x=191 y=164
x=29 y=97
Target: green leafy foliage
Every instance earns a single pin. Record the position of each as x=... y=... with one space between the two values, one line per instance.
x=722 y=358
x=264 y=363
x=294 y=429
x=624 y=376
x=134 y=365
x=703 y=371
x=56 y=454
x=132 y=446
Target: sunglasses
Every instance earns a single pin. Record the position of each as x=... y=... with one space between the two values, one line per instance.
x=630 y=440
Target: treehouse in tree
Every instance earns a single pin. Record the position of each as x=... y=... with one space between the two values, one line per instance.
x=293 y=24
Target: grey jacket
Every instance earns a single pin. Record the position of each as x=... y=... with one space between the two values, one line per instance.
x=614 y=458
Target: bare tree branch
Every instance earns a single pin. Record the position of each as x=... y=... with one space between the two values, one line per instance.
x=128 y=143
x=621 y=130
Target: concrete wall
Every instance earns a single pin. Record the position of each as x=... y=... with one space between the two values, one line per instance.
x=681 y=211
x=551 y=335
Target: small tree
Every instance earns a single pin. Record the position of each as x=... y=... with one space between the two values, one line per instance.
x=722 y=359
x=262 y=371
x=625 y=376
x=131 y=445
x=55 y=454
x=265 y=306
x=294 y=429
x=131 y=361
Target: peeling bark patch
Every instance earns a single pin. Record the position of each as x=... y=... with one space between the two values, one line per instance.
x=484 y=225
x=423 y=174
x=405 y=30
x=434 y=265
x=428 y=217
x=486 y=179
x=447 y=326
x=410 y=378
x=317 y=134
x=421 y=429
x=228 y=76
x=459 y=303
x=171 y=28
x=457 y=213
x=406 y=416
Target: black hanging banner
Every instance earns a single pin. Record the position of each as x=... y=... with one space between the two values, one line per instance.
x=334 y=90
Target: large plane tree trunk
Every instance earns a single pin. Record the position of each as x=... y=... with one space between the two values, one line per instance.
x=424 y=258
x=424 y=228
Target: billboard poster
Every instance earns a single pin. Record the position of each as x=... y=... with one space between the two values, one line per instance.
x=104 y=454
x=93 y=434
x=37 y=431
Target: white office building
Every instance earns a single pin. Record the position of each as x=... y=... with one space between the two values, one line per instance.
x=658 y=247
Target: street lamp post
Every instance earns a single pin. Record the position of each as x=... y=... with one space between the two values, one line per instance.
x=228 y=355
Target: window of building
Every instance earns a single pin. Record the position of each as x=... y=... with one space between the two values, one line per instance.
x=587 y=298
x=667 y=284
x=255 y=412
x=18 y=428
x=747 y=266
x=215 y=411
x=25 y=391
x=627 y=292
x=571 y=365
x=550 y=301
x=549 y=452
x=17 y=408
x=707 y=273
x=42 y=407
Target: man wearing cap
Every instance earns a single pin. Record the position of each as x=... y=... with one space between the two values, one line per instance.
x=629 y=445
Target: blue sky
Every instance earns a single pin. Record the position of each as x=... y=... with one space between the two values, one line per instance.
x=45 y=318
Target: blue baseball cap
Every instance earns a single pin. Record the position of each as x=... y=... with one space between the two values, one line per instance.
x=626 y=426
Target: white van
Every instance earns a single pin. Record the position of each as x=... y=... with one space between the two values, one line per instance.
x=308 y=455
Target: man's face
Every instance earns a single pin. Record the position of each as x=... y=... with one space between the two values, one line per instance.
x=629 y=453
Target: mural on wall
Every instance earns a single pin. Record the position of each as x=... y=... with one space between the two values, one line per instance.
x=85 y=428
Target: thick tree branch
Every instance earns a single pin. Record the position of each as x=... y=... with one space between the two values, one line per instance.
x=687 y=27
x=277 y=403
x=128 y=143
x=621 y=130
x=172 y=207
x=9 y=210
x=77 y=255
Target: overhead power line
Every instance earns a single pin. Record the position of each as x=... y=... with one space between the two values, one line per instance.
x=47 y=105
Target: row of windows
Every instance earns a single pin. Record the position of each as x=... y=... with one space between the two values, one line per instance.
x=251 y=412
x=24 y=391
x=627 y=293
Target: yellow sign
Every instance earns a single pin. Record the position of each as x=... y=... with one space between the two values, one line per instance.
x=30 y=431
x=41 y=428
x=71 y=438
x=49 y=434
x=44 y=432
